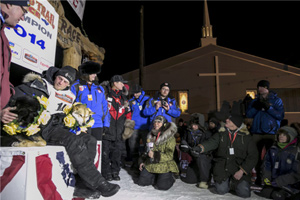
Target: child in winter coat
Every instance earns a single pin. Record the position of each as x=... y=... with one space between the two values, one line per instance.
x=281 y=166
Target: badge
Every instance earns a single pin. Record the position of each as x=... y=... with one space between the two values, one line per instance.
x=231 y=151
x=109 y=99
x=81 y=87
x=141 y=107
x=99 y=90
x=90 y=97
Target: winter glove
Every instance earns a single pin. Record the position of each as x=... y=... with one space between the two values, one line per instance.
x=257 y=105
x=265 y=104
x=184 y=147
x=129 y=128
x=195 y=151
x=267 y=181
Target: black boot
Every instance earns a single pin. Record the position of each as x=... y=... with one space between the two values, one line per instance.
x=116 y=177
x=108 y=189
x=108 y=177
x=86 y=193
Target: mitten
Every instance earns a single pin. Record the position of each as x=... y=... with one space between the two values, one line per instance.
x=265 y=104
x=129 y=128
x=184 y=147
x=195 y=151
x=257 y=105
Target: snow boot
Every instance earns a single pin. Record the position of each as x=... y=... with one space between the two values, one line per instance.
x=86 y=193
x=116 y=177
x=203 y=185
x=108 y=189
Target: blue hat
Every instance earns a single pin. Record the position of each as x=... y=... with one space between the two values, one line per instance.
x=15 y=2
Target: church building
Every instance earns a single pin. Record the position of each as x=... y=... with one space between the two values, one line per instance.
x=202 y=78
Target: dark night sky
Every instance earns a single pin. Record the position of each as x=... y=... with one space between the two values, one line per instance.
x=268 y=29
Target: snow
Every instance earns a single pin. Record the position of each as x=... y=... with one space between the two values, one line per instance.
x=180 y=191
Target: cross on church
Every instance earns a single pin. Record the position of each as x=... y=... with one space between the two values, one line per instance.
x=217 y=75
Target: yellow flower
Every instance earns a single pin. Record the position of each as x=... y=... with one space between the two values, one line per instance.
x=44 y=117
x=67 y=109
x=44 y=101
x=33 y=129
x=91 y=123
x=10 y=128
x=69 y=121
x=83 y=129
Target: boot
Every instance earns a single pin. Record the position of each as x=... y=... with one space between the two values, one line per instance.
x=108 y=189
x=203 y=185
x=116 y=177
x=86 y=193
x=108 y=177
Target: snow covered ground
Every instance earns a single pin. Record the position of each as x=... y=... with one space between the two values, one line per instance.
x=179 y=191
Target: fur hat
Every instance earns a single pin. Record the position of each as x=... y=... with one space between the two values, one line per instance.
x=292 y=133
x=89 y=67
x=15 y=2
x=68 y=72
x=165 y=84
x=117 y=78
x=263 y=83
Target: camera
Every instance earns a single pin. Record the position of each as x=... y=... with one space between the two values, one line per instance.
x=164 y=102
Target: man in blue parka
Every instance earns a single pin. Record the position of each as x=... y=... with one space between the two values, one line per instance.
x=142 y=123
x=162 y=104
x=88 y=91
x=267 y=112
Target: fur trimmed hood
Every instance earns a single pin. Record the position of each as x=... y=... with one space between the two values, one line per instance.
x=170 y=131
x=32 y=77
x=243 y=129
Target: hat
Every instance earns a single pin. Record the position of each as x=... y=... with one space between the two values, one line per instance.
x=14 y=2
x=160 y=118
x=68 y=72
x=136 y=88
x=165 y=84
x=238 y=120
x=263 y=83
x=89 y=67
x=117 y=78
x=214 y=120
x=291 y=132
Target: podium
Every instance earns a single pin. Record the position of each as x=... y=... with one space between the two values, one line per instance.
x=38 y=173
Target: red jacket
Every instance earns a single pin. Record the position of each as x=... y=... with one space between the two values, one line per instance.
x=6 y=88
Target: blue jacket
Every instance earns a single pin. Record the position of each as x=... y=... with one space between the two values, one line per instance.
x=266 y=121
x=137 y=106
x=151 y=111
x=281 y=165
x=97 y=103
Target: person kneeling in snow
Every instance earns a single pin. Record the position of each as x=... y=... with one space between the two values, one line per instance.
x=158 y=165
x=236 y=156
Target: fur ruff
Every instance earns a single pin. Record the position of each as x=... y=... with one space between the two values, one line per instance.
x=31 y=77
x=167 y=134
x=242 y=130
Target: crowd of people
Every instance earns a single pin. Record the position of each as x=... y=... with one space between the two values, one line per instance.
x=222 y=152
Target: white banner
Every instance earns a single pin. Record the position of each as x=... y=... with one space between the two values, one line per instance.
x=33 y=41
x=78 y=6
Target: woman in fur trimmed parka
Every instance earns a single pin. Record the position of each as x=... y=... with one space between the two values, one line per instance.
x=158 y=165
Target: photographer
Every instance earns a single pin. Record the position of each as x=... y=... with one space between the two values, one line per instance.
x=157 y=165
x=162 y=104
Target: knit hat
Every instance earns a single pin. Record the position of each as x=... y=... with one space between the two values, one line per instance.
x=263 y=83
x=238 y=120
x=214 y=120
x=15 y=2
x=117 y=78
x=165 y=84
x=89 y=67
x=160 y=118
x=68 y=72
x=291 y=132
x=136 y=88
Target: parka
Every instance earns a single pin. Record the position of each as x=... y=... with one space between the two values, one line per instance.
x=266 y=121
x=225 y=165
x=164 y=146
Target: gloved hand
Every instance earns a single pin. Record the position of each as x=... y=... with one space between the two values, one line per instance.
x=195 y=151
x=184 y=146
x=267 y=181
x=265 y=104
x=257 y=105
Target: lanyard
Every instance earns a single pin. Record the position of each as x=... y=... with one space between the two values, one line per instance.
x=232 y=140
x=157 y=136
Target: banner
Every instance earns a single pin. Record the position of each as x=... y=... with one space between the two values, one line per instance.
x=78 y=6
x=33 y=41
